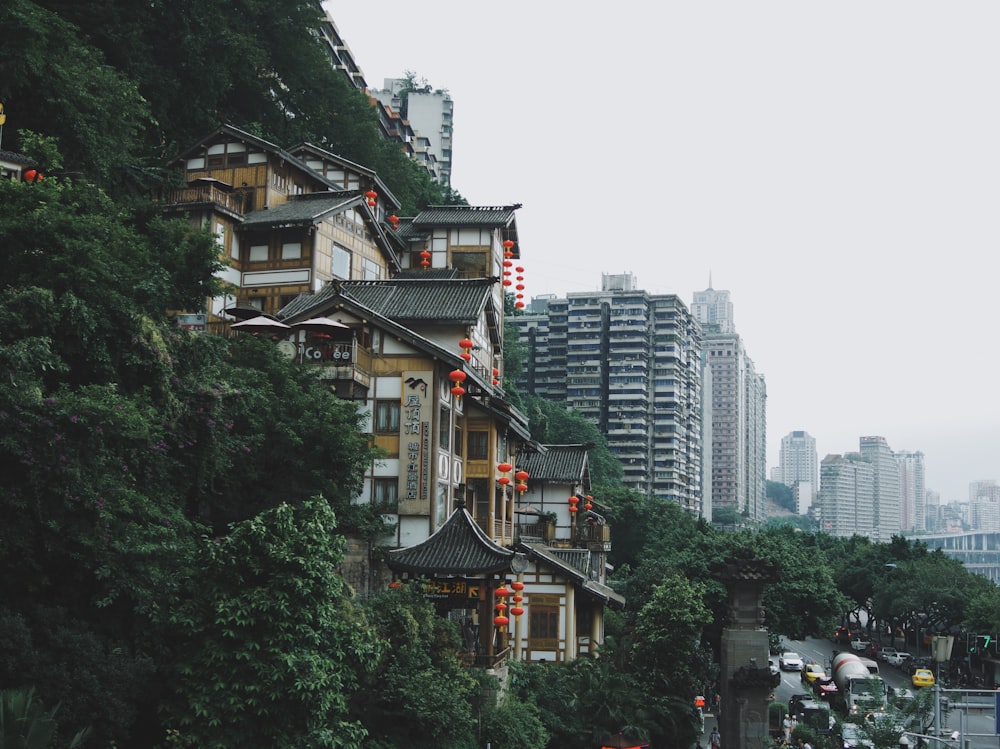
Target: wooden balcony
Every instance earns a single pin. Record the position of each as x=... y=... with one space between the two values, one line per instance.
x=206 y=194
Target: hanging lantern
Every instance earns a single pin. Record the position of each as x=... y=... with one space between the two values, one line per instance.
x=504 y=467
x=573 y=502
x=518 y=305
x=457 y=376
x=503 y=481
x=508 y=263
x=371 y=195
x=501 y=592
x=395 y=584
x=589 y=504
x=517 y=586
x=519 y=269
x=31 y=175
x=508 y=245
x=496 y=376
x=394 y=220
x=507 y=282
x=425 y=258
x=501 y=621
x=521 y=476
x=516 y=611
x=520 y=287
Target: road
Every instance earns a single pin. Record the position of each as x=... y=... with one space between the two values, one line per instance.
x=977 y=724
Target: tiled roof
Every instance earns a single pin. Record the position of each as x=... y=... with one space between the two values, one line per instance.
x=303 y=209
x=431 y=300
x=459 y=547
x=566 y=463
x=464 y=215
x=569 y=562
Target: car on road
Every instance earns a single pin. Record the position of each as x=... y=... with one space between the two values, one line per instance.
x=789 y=661
x=923 y=677
x=884 y=653
x=825 y=689
x=898 y=658
x=858 y=644
x=811 y=672
x=773 y=667
x=853 y=737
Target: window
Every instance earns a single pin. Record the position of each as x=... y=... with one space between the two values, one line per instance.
x=291 y=250
x=478 y=447
x=544 y=623
x=370 y=270
x=444 y=429
x=385 y=495
x=470 y=264
x=258 y=253
x=387 y=417
x=341 y=262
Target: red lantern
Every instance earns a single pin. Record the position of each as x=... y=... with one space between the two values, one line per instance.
x=371 y=195
x=466 y=355
x=517 y=585
x=504 y=467
x=501 y=621
x=425 y=258
x=501 y=607
x=458 y=391
x=517 y=611
x=457 y=375
x=503 y=481
x=573 y=509
x=519 y=269
x=395 y=584
x=574 y=500
x=519 y=305
x=501 y=592
x=31 y=175
x=466 y=343
x=508 y=244
x=521 y=476
x=394 y=220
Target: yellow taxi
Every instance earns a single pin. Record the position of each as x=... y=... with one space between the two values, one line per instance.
x=923 y=677
x=811 y=672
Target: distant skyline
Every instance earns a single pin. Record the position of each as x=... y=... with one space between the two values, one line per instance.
x=833 y=165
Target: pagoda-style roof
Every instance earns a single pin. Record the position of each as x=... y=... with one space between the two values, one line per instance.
x=570 y=563
x=459 y=547
x=558 y=464
x=303 y=210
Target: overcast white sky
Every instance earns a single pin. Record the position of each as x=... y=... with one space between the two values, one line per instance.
x=834 y=165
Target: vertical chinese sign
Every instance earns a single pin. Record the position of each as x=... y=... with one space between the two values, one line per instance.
x=416 y=410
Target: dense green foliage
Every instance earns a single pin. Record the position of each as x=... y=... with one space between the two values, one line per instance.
x=174 y=505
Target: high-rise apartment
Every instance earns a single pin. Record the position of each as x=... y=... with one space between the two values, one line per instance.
x=885 y=473
x=630 y=362
x=430 y=112
x=912 y=491
x=847 y=495
x=738 y=397
x=797 y=460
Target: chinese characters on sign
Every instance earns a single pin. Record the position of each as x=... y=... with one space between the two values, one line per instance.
x=414 y=435
x=453 y=588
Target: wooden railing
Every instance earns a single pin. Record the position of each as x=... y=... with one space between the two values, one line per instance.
x=206 y=194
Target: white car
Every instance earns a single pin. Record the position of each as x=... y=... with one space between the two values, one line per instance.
x=790 y=661
x=859 y=644
x=898 y=658
x=854 y=738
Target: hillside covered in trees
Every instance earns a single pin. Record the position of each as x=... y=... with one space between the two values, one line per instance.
x=174 y=507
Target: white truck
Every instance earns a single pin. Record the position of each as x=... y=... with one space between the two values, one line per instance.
x=859 y=691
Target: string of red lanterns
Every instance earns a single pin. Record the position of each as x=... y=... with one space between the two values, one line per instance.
x=589 y=504
x=496 y=376
x=573 y=502
x=501 y=619
x=371 y=195
x=466 y=345
x=32 y=175
x=517 y=586
x=522 y=482
x=457 y=376
x=425 y=258
x=394 y=220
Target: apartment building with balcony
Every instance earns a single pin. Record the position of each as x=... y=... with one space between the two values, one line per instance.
x=738 y=395
x=630 y=362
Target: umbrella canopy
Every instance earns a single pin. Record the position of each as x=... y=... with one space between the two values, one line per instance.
x=320 y=325
x=260 y=324
x=245 y=313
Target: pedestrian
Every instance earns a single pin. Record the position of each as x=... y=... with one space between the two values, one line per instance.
x=715 y=739
x=787 y=725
